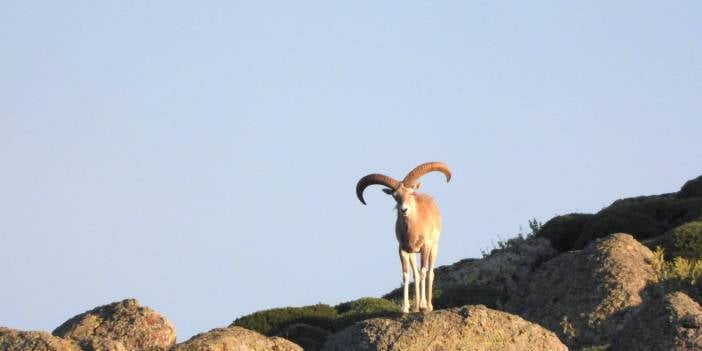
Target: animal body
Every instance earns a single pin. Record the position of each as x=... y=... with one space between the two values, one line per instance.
x=417 y=229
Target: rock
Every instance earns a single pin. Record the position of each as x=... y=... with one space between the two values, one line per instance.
x=15 y=340
x=235 y=339
x=134 y=326
x=671 y=323
x=461 y=328
x=586 y=296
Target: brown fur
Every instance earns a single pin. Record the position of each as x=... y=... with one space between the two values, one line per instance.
x=415 y=232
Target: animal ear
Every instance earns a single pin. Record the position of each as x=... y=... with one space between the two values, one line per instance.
x=416 y=186
x=388 y=191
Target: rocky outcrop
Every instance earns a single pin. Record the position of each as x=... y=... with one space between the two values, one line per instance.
x=503 y=269
x=135 y=327
x=235 y=339
x=15 y=340
x=671 y=323
x=586 y=296
x=463 y=328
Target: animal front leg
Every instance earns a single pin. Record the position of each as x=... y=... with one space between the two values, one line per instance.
x=415 y=277
x=405 y=259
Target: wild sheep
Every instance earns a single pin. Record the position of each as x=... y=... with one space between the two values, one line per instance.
x=417 y=228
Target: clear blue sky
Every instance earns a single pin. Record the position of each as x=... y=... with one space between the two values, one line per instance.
x=202 y=158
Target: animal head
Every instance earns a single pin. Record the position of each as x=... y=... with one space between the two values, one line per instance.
x=404 y=197
x=403 y=192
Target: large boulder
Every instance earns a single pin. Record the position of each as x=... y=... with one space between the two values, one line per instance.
x=671 y=323
x=15 y=340
x=586 y=296
x=462 y=328
x=235 y=339
x=135 y=327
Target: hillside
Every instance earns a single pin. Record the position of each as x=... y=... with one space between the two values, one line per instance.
x=624 y=278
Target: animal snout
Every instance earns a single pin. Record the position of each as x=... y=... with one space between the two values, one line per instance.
x=403 y=209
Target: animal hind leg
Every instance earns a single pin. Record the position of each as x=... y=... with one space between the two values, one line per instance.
x=430 y=275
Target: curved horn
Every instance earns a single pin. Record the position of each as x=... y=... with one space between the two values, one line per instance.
x=425 y=168
x=372 y=179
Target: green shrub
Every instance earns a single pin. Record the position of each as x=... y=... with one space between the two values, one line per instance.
x=644 y=217
x=609 y=221
x=311 y=325
x=692 y=188
x=564 y=231
x=270 y=322
x=461 y=295
x=687 y=240
x=362 y=309
x=311 y=338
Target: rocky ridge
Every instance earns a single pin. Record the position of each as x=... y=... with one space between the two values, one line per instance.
x=571 y=284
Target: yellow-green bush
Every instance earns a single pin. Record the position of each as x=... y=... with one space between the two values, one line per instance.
x=677 y=274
